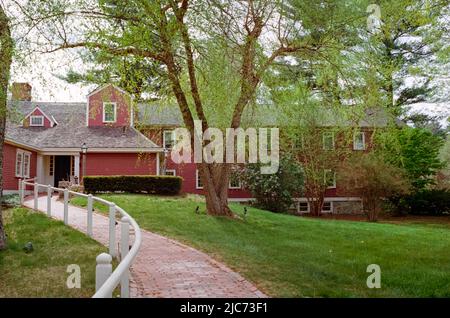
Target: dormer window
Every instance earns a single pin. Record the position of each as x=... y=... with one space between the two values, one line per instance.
x=37 y=121
x=109 y=112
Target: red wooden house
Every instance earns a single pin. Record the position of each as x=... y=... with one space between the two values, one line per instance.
x=45 y=140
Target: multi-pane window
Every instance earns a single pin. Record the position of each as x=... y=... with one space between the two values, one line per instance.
x=359 y=142
x=72 y=165
x=329 y=177
x=327 y=207
x=109 y=112
x=51 y=167
x=36 y=120
x=168 y=139
x=198 y=180
x=328 y=140
x=303 y=207
x=23 y=159
x=235 y=181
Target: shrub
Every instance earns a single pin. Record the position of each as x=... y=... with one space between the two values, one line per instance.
x=168 y=185
x=424 y=202
x=10 y=200
x=274 y=192
x=371 y=178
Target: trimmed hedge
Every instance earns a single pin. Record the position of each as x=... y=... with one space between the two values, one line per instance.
x=168 y=185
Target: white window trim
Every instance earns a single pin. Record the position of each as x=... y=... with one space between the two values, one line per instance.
x=115 y=112
x=19 y=173
x=325 y=178
x=331 y=207
x=235 y=188
x=36 y=116
x=307 y=204
x=164 y=137
x=363 y=140
x=171 y=170
x=197 y=179
x=323 y=140
x=22 y=173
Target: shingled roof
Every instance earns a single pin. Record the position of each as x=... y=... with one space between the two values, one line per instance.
x=71 y=131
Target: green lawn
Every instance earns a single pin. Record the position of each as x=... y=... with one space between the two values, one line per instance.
x=289 y=256
x=42 y=272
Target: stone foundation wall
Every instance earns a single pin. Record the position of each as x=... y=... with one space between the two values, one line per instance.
x=347 y=207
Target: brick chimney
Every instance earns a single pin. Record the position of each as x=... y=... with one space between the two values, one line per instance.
x=21 y=92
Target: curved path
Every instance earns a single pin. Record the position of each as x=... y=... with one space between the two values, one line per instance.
x=163 y=267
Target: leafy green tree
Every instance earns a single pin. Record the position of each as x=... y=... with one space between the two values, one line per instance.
x=414 y=149
x=6 y=52
x=372 y=178
x=137 y=76
x=187 y=38
x=407 y=41
x=274 y=192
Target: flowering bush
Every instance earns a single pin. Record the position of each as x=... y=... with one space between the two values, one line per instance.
x=274 y=192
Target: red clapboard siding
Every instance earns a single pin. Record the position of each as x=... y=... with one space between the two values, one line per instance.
x=10 y=181
x=104 y=164
x=109 y=94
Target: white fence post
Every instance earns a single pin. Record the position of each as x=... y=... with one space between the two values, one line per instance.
x=49 y=200
x=21 y=191
x=89 y=215
x=103 y=270
x=66 y=206
x=124 y=248
x=112 y=230
x=36 y=189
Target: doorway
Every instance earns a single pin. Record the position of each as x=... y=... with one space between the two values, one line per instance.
x=62 y=169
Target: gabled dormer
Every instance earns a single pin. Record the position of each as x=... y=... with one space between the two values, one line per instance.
x=37 y=118
x=109 y=105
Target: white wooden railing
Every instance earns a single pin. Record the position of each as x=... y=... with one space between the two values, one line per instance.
x=106 y=280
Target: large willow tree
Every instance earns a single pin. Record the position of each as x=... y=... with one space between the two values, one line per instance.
x=189 y=38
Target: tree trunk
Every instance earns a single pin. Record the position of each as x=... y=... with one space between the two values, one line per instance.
x=215 y=179
x=5 y=64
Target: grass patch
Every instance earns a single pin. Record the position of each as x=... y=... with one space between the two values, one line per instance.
x=42 y=273
x=288 y=256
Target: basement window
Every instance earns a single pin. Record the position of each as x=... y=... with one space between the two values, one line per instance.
x=327 y=207
x=37 y=121
x=303 y=207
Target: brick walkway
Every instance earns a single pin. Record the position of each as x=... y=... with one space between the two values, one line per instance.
x=163 y=267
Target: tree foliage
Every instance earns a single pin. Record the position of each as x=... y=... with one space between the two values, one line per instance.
x=370 y=177
x=414 y=149
x=275 y=192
